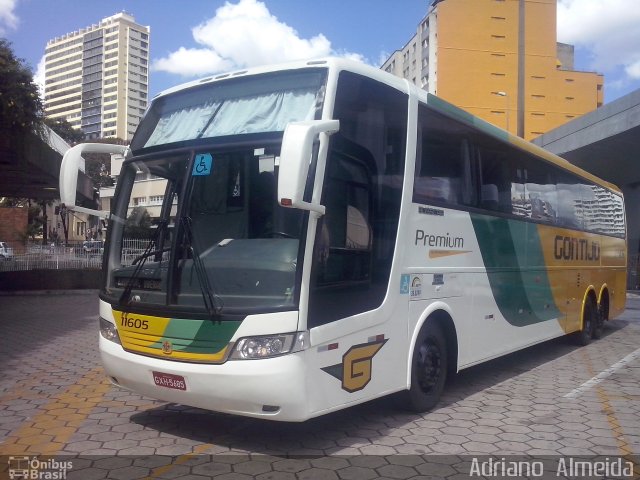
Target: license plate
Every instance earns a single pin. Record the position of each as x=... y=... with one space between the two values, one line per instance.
x=169 y=380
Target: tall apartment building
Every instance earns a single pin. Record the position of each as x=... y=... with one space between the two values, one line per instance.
x=97 y=79
x=499 y=60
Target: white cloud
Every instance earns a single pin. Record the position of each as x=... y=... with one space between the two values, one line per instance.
x=190 y=62
x=241 y=35
x=8 y=19
x=38 y=77
x=609 y=29
x=633 y=70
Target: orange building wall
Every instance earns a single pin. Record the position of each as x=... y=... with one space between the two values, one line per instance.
x=478 y=56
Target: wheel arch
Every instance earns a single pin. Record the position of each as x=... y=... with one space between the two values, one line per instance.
x=440 y=313
x=604 y=301
x=589 y=295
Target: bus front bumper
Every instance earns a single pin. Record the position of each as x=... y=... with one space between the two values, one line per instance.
x=273 y=388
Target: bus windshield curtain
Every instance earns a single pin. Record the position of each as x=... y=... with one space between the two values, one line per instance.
x=252 y=114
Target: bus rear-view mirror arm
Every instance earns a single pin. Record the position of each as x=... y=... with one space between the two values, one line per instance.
x=295 y=159
x=69 y=174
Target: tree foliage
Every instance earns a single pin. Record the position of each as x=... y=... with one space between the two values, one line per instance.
x=98 y=165
x=138 y=223
x=20 y=103
x=63 y=128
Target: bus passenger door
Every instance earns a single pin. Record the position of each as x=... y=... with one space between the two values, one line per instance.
x=349 y=280
x=356 y=316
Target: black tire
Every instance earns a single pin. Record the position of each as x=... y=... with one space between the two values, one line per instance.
x=598 y=330
x=428 y=370
x=589 y=321
x=598 y=325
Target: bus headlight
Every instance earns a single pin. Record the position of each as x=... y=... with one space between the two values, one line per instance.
x=266 y=346
x=108 y=330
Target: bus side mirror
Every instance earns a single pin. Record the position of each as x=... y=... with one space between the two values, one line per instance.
x=69 y=172
x=295 y=158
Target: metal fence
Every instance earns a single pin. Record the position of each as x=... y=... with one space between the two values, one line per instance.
x=68 y=257
x=74 y=256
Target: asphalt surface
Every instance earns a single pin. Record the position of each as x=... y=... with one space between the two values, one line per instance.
x=550 y=403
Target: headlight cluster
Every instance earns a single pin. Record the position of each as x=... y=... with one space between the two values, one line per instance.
x=108 y=330
x=269 y=346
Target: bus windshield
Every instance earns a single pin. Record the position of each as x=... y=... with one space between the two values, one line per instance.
x=199 y=229
x=202 y=232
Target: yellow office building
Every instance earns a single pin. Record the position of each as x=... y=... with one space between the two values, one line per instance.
x=499 y=60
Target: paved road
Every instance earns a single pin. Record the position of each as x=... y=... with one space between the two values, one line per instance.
x=550 y=400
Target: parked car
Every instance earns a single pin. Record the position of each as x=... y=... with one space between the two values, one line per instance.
x=93 y=247
x=6 y=252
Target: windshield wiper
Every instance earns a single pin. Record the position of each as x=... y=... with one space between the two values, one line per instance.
x=142 y=259
x=203 y=279
x=146 y=254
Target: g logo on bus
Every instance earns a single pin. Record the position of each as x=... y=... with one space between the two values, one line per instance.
x=167 y=347
x=356 y=367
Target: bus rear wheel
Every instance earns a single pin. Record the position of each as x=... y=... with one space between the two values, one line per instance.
x=589 y=323
x=428 y=370
x=602 y=315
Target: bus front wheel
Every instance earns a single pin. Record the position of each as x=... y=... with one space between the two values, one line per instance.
x=428 y=369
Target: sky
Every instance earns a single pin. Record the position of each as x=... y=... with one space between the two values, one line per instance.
x=195 y=38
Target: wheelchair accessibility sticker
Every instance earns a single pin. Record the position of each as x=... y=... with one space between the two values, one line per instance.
x=202 y=164
x=404 y=284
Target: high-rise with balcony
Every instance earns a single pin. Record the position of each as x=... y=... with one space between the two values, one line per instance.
x=97 y=78
x=499 y=60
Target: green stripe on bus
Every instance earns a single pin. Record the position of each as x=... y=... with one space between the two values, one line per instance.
x=197 y=336
x=512 y=255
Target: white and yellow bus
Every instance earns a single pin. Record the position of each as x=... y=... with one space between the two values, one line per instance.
x=328 y=234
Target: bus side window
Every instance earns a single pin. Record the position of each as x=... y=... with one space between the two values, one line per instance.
x=498 y=184
x=343 y=247
x=444 y=173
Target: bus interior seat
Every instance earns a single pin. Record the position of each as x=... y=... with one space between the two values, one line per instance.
x=489 y=197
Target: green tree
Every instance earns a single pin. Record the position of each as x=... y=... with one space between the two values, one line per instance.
x=20 y=103
x=63 y=128
x=98 y=165
x=138 y=223
x=36 y=221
